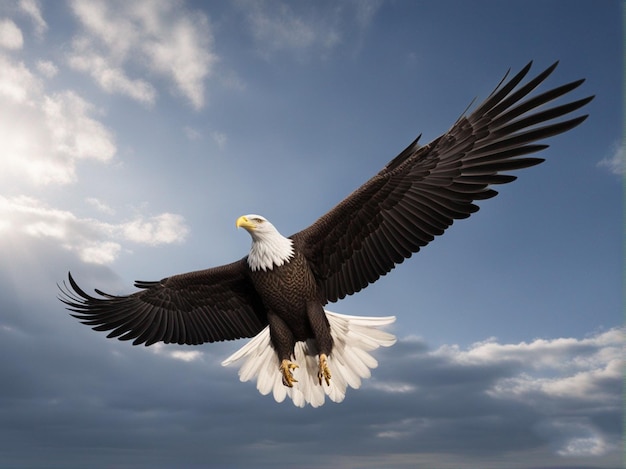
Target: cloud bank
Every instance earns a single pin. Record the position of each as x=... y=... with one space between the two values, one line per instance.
x=84 y=399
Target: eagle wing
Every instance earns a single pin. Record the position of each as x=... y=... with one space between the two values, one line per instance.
x=425 y=188
x=204 y=306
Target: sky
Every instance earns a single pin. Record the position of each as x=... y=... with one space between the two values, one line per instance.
x=132 y=136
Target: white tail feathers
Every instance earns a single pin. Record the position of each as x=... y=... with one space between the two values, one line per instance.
x=349 y=362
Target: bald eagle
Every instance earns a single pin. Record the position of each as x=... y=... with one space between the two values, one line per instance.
x=277 y=293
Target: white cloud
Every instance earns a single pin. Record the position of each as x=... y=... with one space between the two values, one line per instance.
x=164 y=228
x=392 y=387
x=278 y=27
x=43 y=136
x=10 y=35
x=182 y=54
x=565 y=368
x=566 y=391
x=155 y=38
x=93 y=240
x=192 y=134
x=74 y=132
x=220 y=138
x=538 y=354
x=17 y=83
x=574 y=437
x=183 y=355
x=186 y=356
x=47 y=68
x=554 y=375
x=100 y=206
x=616 y=161
x=33 y=10
x=365 y=11
x=111 y=78
x=592 y=445
x=104 y=252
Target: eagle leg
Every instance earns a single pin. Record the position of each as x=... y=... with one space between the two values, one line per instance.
x=285 y=367
x=324 y=372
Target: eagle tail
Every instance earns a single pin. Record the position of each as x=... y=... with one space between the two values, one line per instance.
x=350 y=361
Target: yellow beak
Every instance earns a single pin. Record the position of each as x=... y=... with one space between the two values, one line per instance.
x=243 y=222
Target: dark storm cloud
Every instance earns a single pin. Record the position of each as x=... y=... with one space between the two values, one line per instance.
x=72 y=398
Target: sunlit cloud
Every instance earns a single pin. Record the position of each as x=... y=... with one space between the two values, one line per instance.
x=93 y=240
x=10 y=35
x=549 y=387
x=558 y=376
x=74 y=132
x=43 y=136
x=47 y=68
x=575 y=437
x=154 y=37
x=176 y=354
x=161 y=229
x=100 y=206
x=392 y=387
x=17 y=83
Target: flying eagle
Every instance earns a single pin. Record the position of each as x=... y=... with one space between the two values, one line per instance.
x=277 y=293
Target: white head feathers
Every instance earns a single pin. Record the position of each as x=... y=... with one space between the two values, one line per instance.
x=269 y=247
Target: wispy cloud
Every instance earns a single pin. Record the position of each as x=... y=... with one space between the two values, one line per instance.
x=32 y=9
x=47 y=68
x=108 y=75
x=149 y=38
x=100 y=206
x=192 y=134
x=220 y=138
x=93 y=240
x=615 y=162
x=278 y=26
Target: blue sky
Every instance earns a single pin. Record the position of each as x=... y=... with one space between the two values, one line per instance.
x=133 y=134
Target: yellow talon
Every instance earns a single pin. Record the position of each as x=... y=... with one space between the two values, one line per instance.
x=324 y=371
x=285 y=367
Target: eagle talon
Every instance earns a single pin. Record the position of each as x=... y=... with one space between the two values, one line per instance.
x=324 y=372
x=285 y=367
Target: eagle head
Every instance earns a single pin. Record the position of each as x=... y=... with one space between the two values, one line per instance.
x=256 y=225
x=269 y=247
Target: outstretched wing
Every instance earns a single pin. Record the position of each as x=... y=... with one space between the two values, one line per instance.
x=204 y=306
x=424 y=189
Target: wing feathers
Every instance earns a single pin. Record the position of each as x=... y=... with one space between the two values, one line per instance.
x=205 y=306
x=420 y=192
